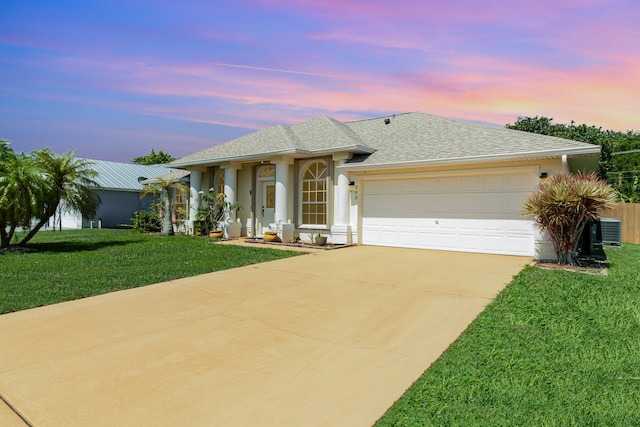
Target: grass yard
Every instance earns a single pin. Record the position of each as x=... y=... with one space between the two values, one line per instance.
x=75 y=264
x=555 y=348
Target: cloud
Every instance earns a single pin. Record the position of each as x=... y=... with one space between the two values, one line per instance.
x=285 y=62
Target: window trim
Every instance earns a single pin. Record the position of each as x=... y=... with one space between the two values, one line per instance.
x=303 y=166
x=218 y=176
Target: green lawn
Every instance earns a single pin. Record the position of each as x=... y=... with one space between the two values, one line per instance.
x=554 y=349
x=75 y=264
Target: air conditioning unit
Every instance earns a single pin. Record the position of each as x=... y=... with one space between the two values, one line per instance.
x=611 y=231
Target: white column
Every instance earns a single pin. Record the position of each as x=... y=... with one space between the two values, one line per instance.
x=282 y=184
x=341 y=229
x=230 y=186
x=281 y=215
x=342 y=198
x=195 y=184
x=232 y=229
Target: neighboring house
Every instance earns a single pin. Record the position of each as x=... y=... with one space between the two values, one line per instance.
x=179 y=196
x=409 y=180
x=120 y=189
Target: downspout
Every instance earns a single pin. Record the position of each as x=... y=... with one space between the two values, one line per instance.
x=565 y=163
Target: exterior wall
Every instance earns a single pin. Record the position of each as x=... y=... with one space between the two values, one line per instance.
x=117 y=208
x=246 y=181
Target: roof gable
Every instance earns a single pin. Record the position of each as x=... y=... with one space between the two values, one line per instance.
x=324 y=134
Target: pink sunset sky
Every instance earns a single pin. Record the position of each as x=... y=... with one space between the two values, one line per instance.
x=113 y=79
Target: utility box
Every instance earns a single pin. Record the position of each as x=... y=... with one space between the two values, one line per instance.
x=610 y=231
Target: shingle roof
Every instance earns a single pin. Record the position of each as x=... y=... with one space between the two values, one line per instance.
x=419 y=137
x=320 y=135
x=124 y=176
x=407 y=139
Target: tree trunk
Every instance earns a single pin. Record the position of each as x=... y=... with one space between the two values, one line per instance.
x=33 y=232
x=167 y=226
x=5 y=238
x=39 y=225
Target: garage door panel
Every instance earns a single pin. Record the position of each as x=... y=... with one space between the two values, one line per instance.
x=520 y=245
x=468 y=242
x=494 y=243
x=518 y=227
x=494 y=226
x=447 y=241
x=426 y=239
x=479 y=213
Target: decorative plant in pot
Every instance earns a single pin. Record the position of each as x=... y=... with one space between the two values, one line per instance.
x=320 y=239
x=212 y=213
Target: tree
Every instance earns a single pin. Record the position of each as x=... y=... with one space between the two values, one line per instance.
x=71 y=184
x=619 y=155
x=23 y=187
x=163 y=187
x=154 y=158
x=564 y=205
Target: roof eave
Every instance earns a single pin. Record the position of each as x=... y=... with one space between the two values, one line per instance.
x=355 y=149
x=245 y=157
x=359 y=149
x=475 y=159
x=127 y=190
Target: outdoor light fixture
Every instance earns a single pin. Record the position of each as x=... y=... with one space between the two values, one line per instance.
x=543 y=175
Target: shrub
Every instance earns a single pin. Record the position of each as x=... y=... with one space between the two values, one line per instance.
x=563 y=206
x=147 y=222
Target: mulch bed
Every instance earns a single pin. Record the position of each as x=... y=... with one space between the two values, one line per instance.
x=599 y=269
x=299 y=244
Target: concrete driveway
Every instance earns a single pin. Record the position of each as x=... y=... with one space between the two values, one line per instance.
x=331 y=338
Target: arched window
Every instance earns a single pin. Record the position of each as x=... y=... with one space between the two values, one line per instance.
x=313 y=195
x=267 y=171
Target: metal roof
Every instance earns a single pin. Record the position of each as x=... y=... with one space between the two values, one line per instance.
x=178 y=175
x=124 y=176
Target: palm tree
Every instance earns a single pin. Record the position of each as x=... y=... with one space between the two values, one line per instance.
x=71 y=183
x=163 y=186
x=564 y=205
x=22 y=188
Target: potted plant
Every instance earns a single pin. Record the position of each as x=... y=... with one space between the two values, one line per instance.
x=212 y=212
x=320 y=239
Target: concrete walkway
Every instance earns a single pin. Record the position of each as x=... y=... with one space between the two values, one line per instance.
x=332 y=338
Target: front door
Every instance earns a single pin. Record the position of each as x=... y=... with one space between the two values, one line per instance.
x=267 y=205
x=265 y=201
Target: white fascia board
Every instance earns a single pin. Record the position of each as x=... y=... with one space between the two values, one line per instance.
x=361 y=149
x=245 y=157
x=358 y=149
x=474 y=159
x=126 y=190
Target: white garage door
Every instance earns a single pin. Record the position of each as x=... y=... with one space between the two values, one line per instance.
x=472 y=213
